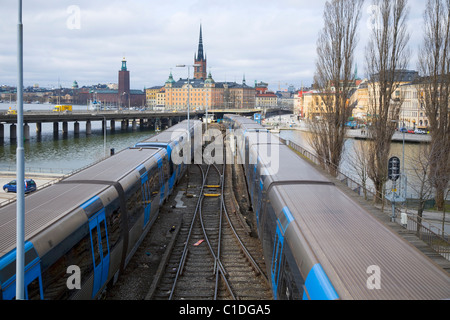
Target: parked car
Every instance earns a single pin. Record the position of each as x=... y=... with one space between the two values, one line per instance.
x=403 y=130
x=419 y=131
x=30 y=186
x=411 y=131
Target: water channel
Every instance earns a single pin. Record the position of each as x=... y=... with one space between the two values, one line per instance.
x=68 y=152
x=410 y=152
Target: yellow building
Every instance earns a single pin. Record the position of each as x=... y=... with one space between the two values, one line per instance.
x=313 y=104
x=151 y=96
x=207 y=94
x=360 y=101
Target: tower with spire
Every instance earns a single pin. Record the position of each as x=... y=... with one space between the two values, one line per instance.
x=200 y=59
x=124 y=84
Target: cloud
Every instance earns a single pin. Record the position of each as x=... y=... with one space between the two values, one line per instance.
x=271 y=41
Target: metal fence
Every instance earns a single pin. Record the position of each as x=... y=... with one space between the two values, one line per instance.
x=436 y=238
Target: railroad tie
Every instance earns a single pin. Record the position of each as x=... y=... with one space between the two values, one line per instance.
x=211 y=194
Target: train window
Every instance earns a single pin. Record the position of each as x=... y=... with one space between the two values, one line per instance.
x=276 y=258
x=55 y=277
x=269 y=226
x=114 y=227
x=96 y=246
x=166 y=166
x=146 y=193
x=171 y=165
x=153 y=179
x=134 y=205
x=33 y=290
x=104 y=238
x=290 y=285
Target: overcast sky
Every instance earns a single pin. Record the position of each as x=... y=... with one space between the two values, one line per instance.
x=270 y=41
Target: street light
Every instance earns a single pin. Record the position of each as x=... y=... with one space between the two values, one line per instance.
x=104 y=132
x=20 y=155
x=188 y=100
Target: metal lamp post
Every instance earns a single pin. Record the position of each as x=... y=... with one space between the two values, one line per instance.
x=188 y=100
x=20 y=211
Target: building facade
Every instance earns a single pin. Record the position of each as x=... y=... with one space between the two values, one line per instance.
x=202 y=92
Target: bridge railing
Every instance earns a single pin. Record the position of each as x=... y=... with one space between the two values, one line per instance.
x=438 y=240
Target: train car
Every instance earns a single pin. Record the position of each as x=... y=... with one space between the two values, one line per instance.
x=320 y=244
x=85 y=227
x=175 y=138
x=256 y=144
x=233 y=122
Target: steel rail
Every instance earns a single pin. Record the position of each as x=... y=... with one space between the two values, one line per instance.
x=186 y=246
x=218 y=266
x=252 y=261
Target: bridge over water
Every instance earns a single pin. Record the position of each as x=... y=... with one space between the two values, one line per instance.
x=148 y=118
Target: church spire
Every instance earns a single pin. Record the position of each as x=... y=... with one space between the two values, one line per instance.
x=200 y=56
x=200 y=59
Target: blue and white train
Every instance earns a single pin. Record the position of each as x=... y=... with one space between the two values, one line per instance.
x=89 y=225
x=318 y=242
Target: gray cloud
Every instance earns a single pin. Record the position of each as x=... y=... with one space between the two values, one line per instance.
x=271 y=41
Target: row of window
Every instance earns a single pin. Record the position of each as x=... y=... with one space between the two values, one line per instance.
x=55 y=263
x=286 y=276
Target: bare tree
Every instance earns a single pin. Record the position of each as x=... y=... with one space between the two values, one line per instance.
x=421 y=163
x=334 y=78
x=360 y=163
x=386 y=56
x=434 y=65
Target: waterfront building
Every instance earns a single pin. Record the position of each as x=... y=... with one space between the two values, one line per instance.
x=413 y=114
x=285 y=99
x=123 y=96
x=299 y=100
x=264 y=98
x=360 y=101
x=405 y=95
x=202 y=91
x=313 y=104
x=151 y=96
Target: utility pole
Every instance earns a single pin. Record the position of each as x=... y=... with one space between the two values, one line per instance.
x=20 y=211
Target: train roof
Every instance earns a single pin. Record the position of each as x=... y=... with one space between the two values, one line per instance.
x=293 y=168
x=164 y=137
x=173 y=133
x=246 y=124
x=348 y=241
x=44 y=207
x=183 y=124
x=262 y=137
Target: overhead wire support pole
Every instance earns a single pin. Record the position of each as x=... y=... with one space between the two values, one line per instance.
x=20 y=159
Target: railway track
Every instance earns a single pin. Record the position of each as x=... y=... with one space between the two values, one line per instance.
x=212 y=256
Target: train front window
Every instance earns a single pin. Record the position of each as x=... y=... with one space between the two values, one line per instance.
x=33 y=290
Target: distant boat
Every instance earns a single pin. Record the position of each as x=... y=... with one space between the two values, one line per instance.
x=95 y=105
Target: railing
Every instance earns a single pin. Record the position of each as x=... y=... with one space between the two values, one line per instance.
x=437 y=240
x=438 y=243
x=34 y=170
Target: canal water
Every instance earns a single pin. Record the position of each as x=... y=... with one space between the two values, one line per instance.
x=69 y=152
x=412 y=152
x=65 y=154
